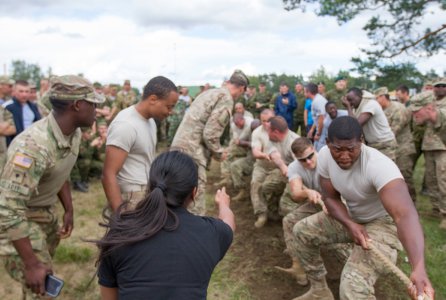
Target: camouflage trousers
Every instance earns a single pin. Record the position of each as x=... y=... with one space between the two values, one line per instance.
x=174 y=123
x=266 y=188
x=234 y=152
x=388 y=148
x=405 y=164
x=134 y=197
x=340 y=251
x=435 y=170
x=240 y=168
x=362 y=268
x=286 y=203
x=44 y=239
x=198 y=206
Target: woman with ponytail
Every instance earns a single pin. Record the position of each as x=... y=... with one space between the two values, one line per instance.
x=159 y=250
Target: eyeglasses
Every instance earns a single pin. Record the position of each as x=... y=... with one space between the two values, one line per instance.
x=440 y=86
x=309 y=157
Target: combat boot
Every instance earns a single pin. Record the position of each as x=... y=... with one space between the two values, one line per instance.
x=319 y=290
x=242 y=194
x=78 y=186
x=297 y=271
x=261 y=220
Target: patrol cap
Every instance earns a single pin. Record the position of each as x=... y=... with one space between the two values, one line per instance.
x=440 y=81
x=238 y=77
x=381 y=91
x=71 y=88
x=339 y=78
x=127 y=81
x=32 y=84
x=420 y=100
x=6 y=80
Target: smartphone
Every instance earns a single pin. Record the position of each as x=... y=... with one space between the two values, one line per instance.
x=53 y=286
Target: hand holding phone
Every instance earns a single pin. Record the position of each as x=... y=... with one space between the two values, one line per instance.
x=53 y=286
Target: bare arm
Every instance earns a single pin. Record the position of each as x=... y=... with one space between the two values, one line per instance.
x=364 y=118
x=258 y=154
x=7 y=129
x=108 y=293
x=277 y=159
x=67 y=203
x=396 y=200
x=224 y=211
x=114 y=160
x=299 y=192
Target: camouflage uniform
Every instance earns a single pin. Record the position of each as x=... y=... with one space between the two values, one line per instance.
x=299 y=115
x=175 y=118
x=5 y=116
x=82 y=167
x=399 y=118
x=38 y=164
x=124 y=99
x=336 y=96
x=265 y=100
x=199 y=135
x=434 y=152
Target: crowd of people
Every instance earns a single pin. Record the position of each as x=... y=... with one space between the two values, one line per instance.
x=336 y=166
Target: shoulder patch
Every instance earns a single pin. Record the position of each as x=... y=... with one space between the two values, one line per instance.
x=21 y=160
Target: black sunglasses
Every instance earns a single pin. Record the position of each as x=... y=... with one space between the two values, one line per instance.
x=309 y=157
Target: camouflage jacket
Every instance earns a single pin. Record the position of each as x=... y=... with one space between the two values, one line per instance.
x=432 y=138
x=399 y=118
x=39 y=161
x=203 y=124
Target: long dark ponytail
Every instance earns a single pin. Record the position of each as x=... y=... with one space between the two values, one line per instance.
x=173 y=177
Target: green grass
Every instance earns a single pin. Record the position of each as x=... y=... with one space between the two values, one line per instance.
x=73 y=254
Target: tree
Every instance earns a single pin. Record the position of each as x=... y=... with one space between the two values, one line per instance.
x=394 y=27
x=21 y=70
x=393 y=75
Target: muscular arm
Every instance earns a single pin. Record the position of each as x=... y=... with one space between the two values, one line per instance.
x=67 y=203
x=114 y=160
x=224 y=211
x=396 y=200
x=258 y=154
x=364 y=118
x=300 y=193
x=277 y=159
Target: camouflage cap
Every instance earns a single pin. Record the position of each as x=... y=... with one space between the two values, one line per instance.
x=238 y=77
x=440 y=81
x=381 y=91
x=32 y=84
x=71 y=87
x=420 y=100
x=6 y=80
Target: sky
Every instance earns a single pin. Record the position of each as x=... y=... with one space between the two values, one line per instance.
x=191 y=42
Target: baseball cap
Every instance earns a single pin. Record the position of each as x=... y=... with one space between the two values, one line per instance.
x=72 y=87
x=420 y=100
x=6 y=80
x=440 y=81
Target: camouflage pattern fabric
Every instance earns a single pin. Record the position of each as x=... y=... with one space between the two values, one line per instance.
x=362 y=268
x=388 y=148
x=240 y=168
x=199 y=133
x=266 y=188
x=124 y=99
x=336 y=96
x=5 y=116
x=298 y=117
x=286 y=203
x=175 y=118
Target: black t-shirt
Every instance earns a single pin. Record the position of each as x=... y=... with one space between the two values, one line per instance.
x=170 y=265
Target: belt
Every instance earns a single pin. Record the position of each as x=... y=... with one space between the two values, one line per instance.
x=125 y=188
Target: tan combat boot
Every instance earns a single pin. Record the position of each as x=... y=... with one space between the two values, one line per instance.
x=297 y=271
x=242 y=194
x=261 y=220
x=319 y=290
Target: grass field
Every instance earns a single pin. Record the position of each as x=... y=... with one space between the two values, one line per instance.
x=247 y=271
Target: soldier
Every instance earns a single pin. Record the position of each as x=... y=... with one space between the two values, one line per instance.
x=131 y=143
x=6 y=86
x=125 y=97
x=379 y=205
x=7 y=127
x=263 y=99
x=79 y=174
x=430 y=109
x=35 y=176
x=338 y=92
x=199 y=132
x=299 y=123
x=377 y=133
x=251 y=94
x=399 y=118
x=263 y=166
x=317 y=112
x=243 y=166
x=178 y=112
x=240 y=108
x=279 y=151
x=321 y=89
x=332 y=112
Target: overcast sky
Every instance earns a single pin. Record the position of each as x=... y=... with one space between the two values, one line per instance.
x=191 y=42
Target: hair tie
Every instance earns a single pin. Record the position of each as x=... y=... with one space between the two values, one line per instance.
x=162 y=187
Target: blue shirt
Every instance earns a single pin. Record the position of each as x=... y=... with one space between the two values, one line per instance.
x=308 y=108
x=286 y=110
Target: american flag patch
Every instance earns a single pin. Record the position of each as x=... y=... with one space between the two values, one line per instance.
x=22 y=160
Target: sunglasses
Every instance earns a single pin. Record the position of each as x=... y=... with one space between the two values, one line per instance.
x=309 y=157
